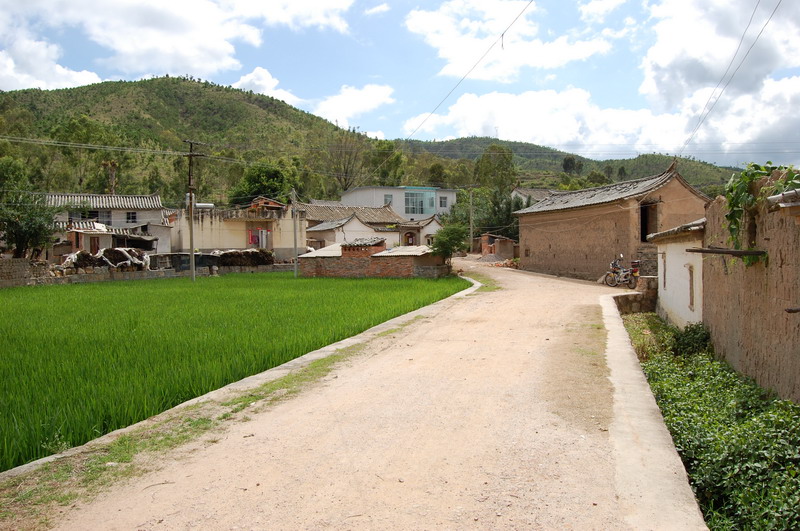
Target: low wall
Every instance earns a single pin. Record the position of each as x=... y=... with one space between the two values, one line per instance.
x=377 y=267
x=25 y=273
x=644 y=300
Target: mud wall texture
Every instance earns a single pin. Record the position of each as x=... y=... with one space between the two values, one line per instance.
x=581 y=242
x=744 y=307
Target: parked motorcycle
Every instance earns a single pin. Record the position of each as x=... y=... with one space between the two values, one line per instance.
x=619 y=275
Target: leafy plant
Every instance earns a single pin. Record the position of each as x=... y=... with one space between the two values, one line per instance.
x=743 y=199
x=739 y=443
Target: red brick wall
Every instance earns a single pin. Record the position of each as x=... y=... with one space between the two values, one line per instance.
x=366 y=266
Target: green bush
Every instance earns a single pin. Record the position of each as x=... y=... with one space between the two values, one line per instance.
x=693 y=338
x=740 y=445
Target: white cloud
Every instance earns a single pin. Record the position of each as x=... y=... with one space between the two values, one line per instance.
x=194 y=37
x=695 y=41
x=597 y=10
x=26 y=62
x=261 y=81
x=569 y=120
x=352 y=102
x=462 y=30
x=382 y=8
x=322 y=14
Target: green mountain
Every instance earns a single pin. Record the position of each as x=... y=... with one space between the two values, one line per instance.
x=143 y=125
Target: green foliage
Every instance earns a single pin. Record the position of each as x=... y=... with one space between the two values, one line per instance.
x=157 y=114
x=449 y=240
x=26 y=221
x=264 y=178
x=692 y=339
x=739 y=444
x=744 y=198
x=84 y=377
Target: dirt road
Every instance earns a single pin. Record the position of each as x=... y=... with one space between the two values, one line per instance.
x=492 y=411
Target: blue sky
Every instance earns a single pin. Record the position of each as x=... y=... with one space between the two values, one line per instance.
x=601 y=78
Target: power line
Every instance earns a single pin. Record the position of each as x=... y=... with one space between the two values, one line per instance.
x=708 y=112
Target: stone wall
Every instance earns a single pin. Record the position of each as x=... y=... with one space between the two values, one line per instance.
x=644 y=300
x=744 y=307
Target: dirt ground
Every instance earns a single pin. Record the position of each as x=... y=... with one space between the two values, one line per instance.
x=491 y=412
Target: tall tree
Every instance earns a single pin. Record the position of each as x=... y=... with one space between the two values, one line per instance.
x=267 y=178
x=386 y=163
x=495 y=169
x=344 y=158
x=568 y=164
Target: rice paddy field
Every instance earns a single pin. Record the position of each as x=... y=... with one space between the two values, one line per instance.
x=78 y=361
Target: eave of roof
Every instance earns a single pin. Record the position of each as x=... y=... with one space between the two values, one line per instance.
x=695 y=227
x=383 y=214
x=608 y=194
x=106 y=201
x=329 y=225
x=405 y=250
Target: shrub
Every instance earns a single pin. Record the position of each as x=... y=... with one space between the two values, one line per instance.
x=740 y=445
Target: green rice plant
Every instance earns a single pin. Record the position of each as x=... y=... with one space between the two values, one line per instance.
x=78 y=361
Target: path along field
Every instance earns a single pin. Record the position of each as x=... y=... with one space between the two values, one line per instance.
x=78 y=361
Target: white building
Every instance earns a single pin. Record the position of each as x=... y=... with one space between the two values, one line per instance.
x=680 y=273
x=411 y=202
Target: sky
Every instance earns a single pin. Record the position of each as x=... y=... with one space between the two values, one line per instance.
x=599 y=78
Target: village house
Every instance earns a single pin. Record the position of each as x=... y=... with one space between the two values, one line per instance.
x=680 y=273
x=97 y=221
x=576 y=234
x=369 y=257
x=411 y=202
x=331 y=222
x=263 y=224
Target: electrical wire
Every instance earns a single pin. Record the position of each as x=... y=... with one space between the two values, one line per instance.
x=741 y=62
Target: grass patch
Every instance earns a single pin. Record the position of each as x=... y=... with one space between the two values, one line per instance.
x=82 y=360
x=27 y=500
x=739 y=443
x=488 y=283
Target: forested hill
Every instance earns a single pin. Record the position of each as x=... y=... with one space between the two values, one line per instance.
x=239 y=128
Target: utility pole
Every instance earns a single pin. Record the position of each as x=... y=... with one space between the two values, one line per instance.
x=191 y=156
x=294 y=228
x=470 y=219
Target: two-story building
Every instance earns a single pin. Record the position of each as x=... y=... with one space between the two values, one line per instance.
x=95 y=221
x=411 y=202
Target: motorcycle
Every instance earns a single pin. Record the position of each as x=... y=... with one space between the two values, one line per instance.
x=619 y=275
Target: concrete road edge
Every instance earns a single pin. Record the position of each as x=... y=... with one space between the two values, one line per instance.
x=650 y=478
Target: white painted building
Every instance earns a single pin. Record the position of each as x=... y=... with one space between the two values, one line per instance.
x=411 y=202
x=680 y=273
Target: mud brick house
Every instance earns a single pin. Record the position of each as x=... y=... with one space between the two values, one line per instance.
x=753 y=312
x=369 y=257
x=576 y=234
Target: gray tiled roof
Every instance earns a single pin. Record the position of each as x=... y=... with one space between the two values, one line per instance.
x=329 y=225
x=536 y=194
x=605 y=194
x=107 y=201
x=405 y=250
x=364 y=242
x=326 y=212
